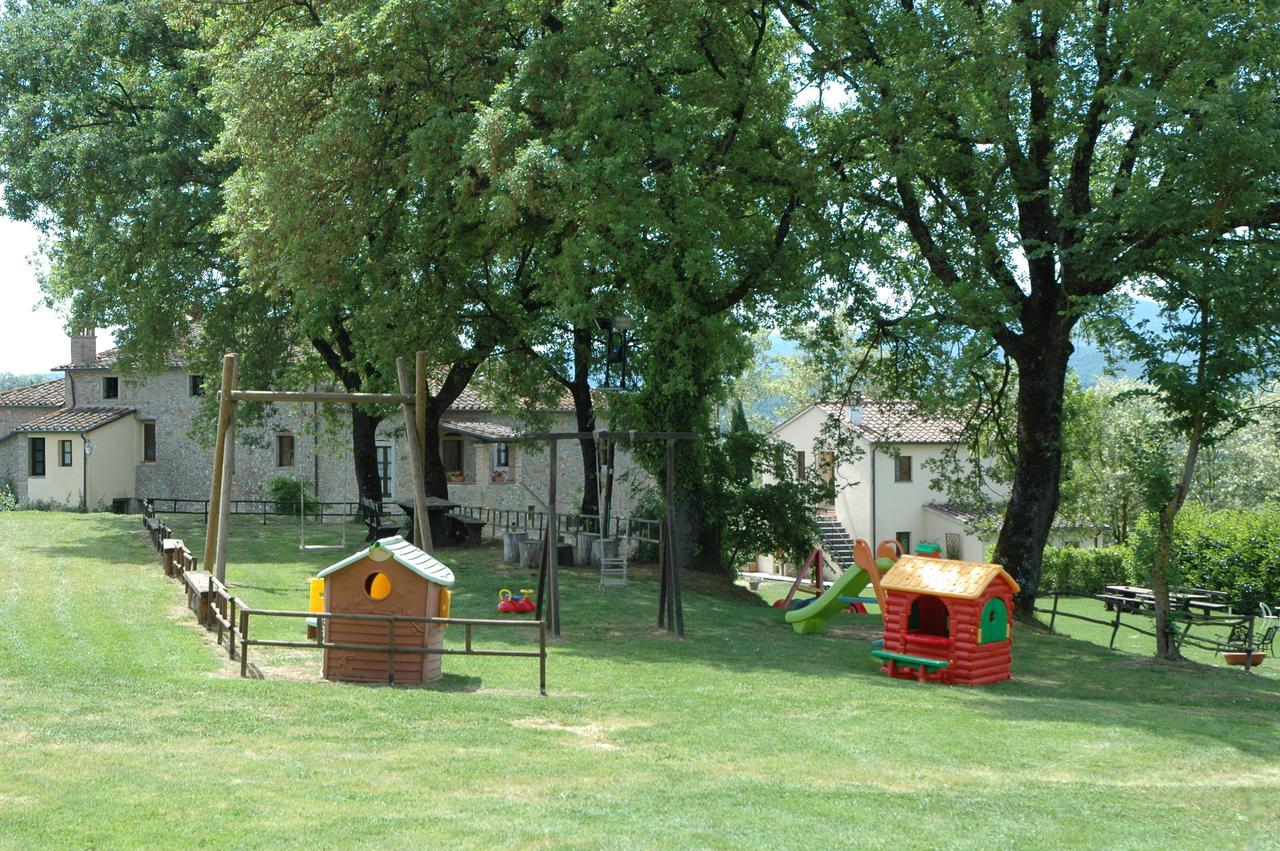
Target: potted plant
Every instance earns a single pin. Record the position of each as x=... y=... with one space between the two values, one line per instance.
x=455 y=475
x=498 y=476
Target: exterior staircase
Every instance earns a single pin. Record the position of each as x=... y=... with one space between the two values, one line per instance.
x=835 y=540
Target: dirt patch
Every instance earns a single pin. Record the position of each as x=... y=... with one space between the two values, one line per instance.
x=593 y=735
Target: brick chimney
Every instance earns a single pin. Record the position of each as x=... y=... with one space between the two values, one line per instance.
x=84 y=346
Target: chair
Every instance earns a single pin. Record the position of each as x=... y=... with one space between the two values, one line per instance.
x=1268 y=613
x=1268 y=640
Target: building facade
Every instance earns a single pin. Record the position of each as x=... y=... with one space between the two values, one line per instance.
x=150 y=436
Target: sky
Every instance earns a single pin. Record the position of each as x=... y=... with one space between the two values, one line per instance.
x=32 y=337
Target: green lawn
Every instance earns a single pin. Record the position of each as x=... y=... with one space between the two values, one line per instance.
x=122 y=724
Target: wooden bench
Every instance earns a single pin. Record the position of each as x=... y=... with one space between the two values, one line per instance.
x=199 y=591
x=377 y=520
x=922 y=664
x=464 y=529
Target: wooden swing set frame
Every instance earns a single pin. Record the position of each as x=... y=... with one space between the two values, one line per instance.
x=411 y=399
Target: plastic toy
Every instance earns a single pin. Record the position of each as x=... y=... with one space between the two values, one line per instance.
x=509 y=603
x=947 y=621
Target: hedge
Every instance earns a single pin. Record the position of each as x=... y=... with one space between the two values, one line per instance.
x=1230 y=550
x=1074 y=570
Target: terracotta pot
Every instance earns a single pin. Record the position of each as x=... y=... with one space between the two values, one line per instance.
x=1237 y=658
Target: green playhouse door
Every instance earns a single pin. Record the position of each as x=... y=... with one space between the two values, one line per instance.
x=995 y=622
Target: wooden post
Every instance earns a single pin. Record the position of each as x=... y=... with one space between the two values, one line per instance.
x=1054 y=617
x=219 y=447
x=228 y=471
x=550 y=540
x=1248 y=648
x=422 y=530
x=421 y=521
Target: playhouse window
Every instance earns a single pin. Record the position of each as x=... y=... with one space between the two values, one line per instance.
x=929 y=617
x=377 y=586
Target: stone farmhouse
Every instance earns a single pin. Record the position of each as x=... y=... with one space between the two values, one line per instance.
x=886 y=490
x=97 y=437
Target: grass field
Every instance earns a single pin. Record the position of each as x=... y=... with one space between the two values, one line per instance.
x=123 y=724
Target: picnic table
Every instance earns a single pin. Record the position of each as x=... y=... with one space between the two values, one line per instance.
x=447 y=525
x=1133 y=598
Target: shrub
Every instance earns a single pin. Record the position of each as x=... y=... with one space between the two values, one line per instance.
x=8 y=500
x=1231 y=550
x=286 y=493
x=1084 y=571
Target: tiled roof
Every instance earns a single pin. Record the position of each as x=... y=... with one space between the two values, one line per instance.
x=46 y=394
x=473 y=398
x=107 y=359
x=943 y=577
x=896 y=421
x=404 y=553
x=480 y=431
x=75 y=419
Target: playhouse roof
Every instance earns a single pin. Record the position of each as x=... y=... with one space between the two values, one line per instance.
x=403 y=553
x=943 y=577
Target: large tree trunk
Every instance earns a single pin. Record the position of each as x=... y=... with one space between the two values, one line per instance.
x=584 y=410
x=1166 y=646
x=437 y=479
x=364 y=448
x=1033 y=502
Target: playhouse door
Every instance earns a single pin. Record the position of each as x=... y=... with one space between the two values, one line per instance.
x=995 y=622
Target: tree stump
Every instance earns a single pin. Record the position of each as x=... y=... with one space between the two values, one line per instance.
x=531 y=554
x=511 y=546
x=586 y=540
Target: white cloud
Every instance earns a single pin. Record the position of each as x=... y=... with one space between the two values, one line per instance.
x=32 y=336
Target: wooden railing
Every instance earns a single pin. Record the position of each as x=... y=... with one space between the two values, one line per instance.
x=500 y=520
x=391 y=648
x=264 y=508
x=1185 y=619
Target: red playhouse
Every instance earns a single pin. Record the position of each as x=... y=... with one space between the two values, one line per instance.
x=947 y=621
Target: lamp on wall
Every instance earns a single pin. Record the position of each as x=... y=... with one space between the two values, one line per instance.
x=617 y=347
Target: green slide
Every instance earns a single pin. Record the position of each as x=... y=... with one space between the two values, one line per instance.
x=813 y=617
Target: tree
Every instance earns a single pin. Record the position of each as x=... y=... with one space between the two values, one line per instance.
x=997 y=171
x=107 y=147
x=650 y=145
x=1218 y=339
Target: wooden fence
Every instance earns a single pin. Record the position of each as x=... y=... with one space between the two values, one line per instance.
x=263 y=508
x=1185 y=619
x=216 y=609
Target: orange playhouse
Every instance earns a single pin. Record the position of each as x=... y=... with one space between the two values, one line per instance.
x=391 y=577
x=947 y=621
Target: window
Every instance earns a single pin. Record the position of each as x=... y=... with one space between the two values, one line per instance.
x=36 y=452
x=904 y=541
x=148 y=442
x=501 y=456
x=64 y=453
x=197 y=385
x=902 y=468
x=284 y=450
x=929 y=616
x=386 y=468
x=800 y=465
x=451 y=452
x=111 y=387
x=377 y=586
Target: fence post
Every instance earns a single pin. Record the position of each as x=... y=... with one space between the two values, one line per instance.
x=231 y=633
x=1053 y=617
x=244 y=643
x=1248 y=648
x=542 y=657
